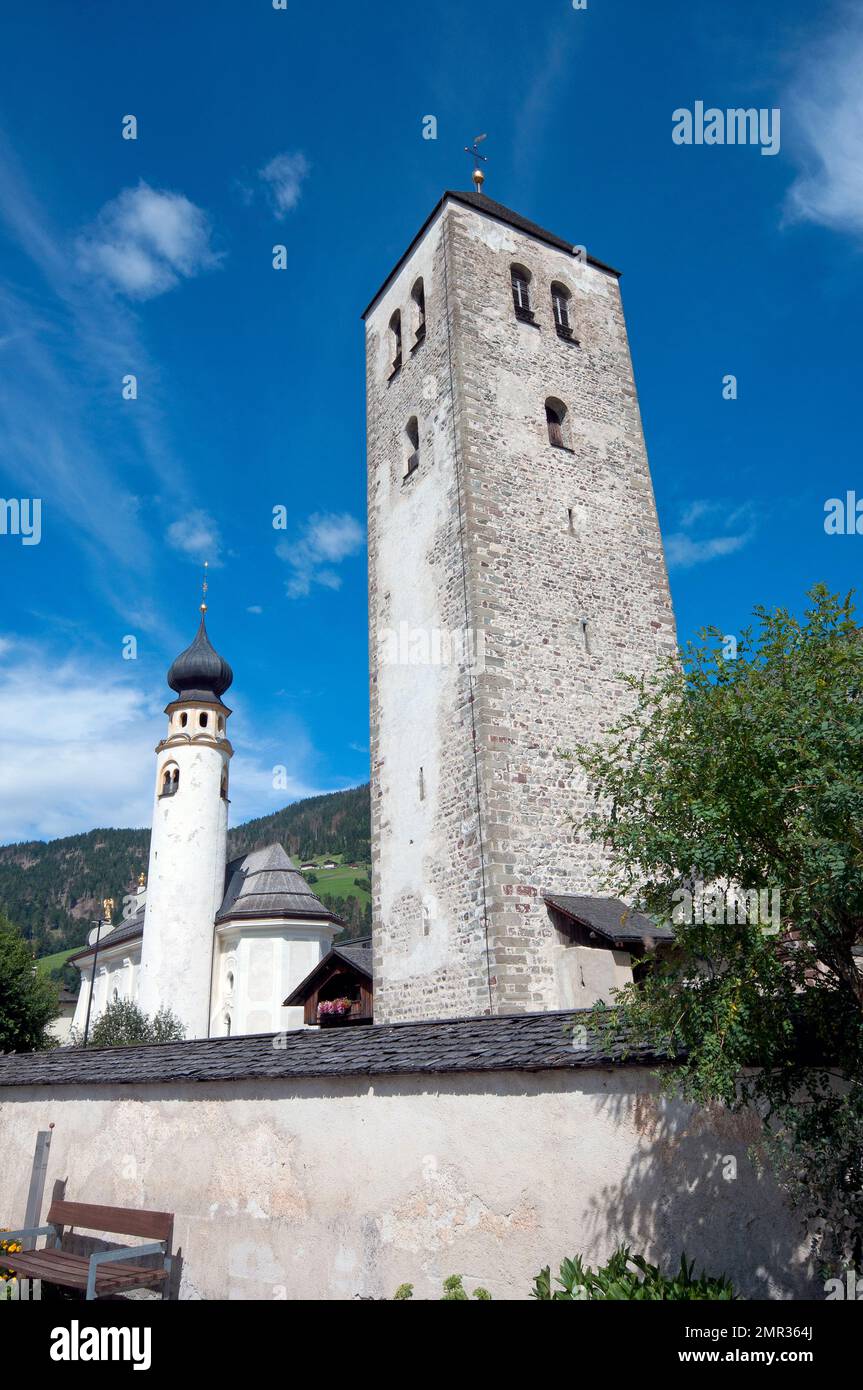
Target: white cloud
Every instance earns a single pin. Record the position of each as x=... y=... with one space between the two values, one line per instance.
x=145 y=240
x=76 y=748
x=283 y=177
x=196 y=535
x=326 y=540
x=254 y=608
x=825 y=104
x=731 y=532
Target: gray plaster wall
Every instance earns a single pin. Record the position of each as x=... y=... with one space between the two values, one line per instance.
x=346 y=1188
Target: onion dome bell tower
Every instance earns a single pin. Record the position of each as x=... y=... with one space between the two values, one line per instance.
x=188 y=847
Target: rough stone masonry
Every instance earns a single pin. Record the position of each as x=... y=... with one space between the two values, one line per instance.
x=551 y=552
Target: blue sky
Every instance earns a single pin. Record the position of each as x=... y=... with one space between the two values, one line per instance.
x=304 y=127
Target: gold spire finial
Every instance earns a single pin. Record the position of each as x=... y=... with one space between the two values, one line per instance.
x=478 y=176
x=142 y=879
x=204 y=588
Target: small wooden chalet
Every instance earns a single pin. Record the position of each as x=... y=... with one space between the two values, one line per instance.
x=340 y=989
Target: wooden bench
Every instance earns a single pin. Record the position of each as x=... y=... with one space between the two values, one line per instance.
x=105 y=1271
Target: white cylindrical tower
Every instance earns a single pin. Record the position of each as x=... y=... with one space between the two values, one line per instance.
x=186 y=879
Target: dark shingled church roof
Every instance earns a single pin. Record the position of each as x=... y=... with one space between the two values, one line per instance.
x=265 y=883
x=129 y=928
x=481 y=203
x=262 y=883
x=510 y=1042
x=609 y=917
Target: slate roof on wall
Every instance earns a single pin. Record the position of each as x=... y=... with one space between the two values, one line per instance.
x=514 y=1042
x=609 y=917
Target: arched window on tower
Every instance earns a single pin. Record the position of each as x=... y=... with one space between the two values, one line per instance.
x=203 y=719
x=521 y=293
x=413 y=438
x=418 y=295
x=555 y=416
x=396 y=341
x=225 y=785
x=184 y=719
x=560 y=300
x=170 y=780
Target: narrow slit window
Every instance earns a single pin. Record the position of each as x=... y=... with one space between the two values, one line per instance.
x=418 y=295
x=413 y=441
x=396 y=340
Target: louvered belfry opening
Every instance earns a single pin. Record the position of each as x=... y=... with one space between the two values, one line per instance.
x=554 y=420
x=560 y=303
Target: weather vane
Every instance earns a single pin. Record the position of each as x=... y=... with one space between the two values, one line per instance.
x=204 y=588
x=478 y=176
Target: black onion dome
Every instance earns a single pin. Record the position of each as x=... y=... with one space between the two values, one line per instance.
x=199 y=673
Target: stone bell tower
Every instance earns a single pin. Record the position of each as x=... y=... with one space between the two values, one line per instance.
x=515 y=571
x=188 y=848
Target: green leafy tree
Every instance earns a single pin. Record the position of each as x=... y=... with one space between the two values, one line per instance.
x=124 y=1024
x=28 y=999
x=745 y=770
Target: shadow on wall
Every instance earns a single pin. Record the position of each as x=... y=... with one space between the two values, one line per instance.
x=691 y=1186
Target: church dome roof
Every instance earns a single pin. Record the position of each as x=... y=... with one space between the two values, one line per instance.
x=199 y=673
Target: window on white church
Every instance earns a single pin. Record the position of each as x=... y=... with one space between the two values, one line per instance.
x=560 y=297
x=170 y=780
x=184 y=719
x=521 y=293
x=555 y=415
x=413 y=438
x=418 y=295
x=203 y=720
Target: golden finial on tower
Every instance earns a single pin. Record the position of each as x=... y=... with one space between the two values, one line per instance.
x=204 y=588
x=142 y=879
x=478 y=176
x=107 y=909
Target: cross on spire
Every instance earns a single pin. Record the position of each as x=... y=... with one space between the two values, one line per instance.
x=204 y=587
x=478 y=176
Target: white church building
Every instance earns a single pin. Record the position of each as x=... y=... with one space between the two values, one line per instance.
x=222 y=944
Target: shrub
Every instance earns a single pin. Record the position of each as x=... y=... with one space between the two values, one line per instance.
x=123 y=1024
x=628 y=1276
x=454 y=1291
